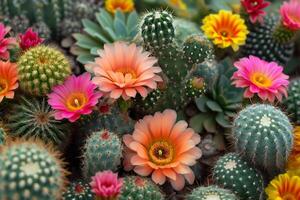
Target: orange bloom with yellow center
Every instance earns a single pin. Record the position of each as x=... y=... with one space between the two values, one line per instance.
x=293 y=164
x=163 y=148
x=284 y=187
x=8 y=80
x=123 y=5
x=225 y=29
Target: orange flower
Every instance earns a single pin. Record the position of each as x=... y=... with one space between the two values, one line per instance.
x=125 y=70
x=164 y=148
x=8 y=80
x=123 y=5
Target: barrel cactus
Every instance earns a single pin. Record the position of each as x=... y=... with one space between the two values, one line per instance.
x=3 y=134
x=292 y=103
x=210 y=193
x=78 y=190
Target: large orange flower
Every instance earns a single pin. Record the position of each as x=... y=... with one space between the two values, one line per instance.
x=125 y=70
x=8 y=79
x=164 y=148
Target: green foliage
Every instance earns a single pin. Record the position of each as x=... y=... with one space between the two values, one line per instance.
x=237 y=175
x=264 y=136
x=41 y=68
x=105 y=29
x=211 y=192
x=292 y=102
x=78 y=190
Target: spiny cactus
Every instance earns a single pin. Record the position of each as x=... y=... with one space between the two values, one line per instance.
x=78 y=190
x=30 y=171
x=292 y=102
x=135 y=187
x=34 y=118
x=237 y=175
x=264 y=136
x=210 y=193
x=2 y=134
x=41 y=68
x=103 y=151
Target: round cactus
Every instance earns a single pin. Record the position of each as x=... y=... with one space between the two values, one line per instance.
x=103 y=151
x=31 y=171
x=41 y=68
x=135 y=187
x=237 y=175
x=78 y=190
x=292 y=103
x=211 y=193
x=34 y=118
x=195 y=87
x=264 y=136
x=157 y=29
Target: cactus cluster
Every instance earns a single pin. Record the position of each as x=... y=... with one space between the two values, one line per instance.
x=211 y=192
x=78 y=190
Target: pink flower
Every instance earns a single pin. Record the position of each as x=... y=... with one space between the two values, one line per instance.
x=106 y=185
x=5 y=43
x=254 y=8
x=290 y=13
x=29 y=39
x=74 y=98
x=260 y=77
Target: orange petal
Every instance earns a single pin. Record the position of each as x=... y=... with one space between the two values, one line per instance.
x=190 y=177
x=187 y=159
x=168 y=121
x=136 y=160
x=127 y=139
x=169 y=173
x=141 y=137
x=158 y=177
x=143 y=170
x=155 y=125
x=178 y=128
x=179 y=183
x=182 y=169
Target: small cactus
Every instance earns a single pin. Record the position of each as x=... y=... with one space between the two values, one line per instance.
x=78 y=190
x=292 y=102
x=211 y=193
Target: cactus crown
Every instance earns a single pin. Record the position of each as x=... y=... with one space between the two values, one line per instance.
x=78 y=190
x=210 y=193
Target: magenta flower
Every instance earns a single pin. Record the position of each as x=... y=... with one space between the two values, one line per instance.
x=74 y=98
x=106 y=185
x=260 y=77
x=29 y=39
x=290 y=14
x=254 y=8
x=5 y=43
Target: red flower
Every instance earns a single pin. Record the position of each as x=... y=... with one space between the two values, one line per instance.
x=254 y=8
x=6 y=43
x=29 y=39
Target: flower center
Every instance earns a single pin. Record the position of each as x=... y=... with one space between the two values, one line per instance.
x=254 y=3
x=224 y=33
x=295 y=18
x=119 y=4
x=126 y=71
x=78 y=189
x=161 y=153
x=3 y=86
x=261 y=80
x=289 y=196
x=76 y=101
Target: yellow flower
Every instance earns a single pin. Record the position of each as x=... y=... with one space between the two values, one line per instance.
x=284 y=187
x=293 y=164
x=178 y=4
x=296 y=139
x=225 y=29
x=123 y=5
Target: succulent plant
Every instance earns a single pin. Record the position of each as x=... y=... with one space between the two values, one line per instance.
x=30 y=171
x=264 y=136
x=211 y=192
x=78 y=190
x=292 y=102
x=135 y=187
x=105 y=29
x=103 y=151
x=34 y=118
x=235 y=174
x=41 y=68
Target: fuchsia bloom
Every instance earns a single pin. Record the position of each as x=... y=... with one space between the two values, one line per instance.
x=260 y=77
x=29 y=39
x=5 y=43
x=254 y=8
x=74 y=98
x=106 y=185
x=290 y=13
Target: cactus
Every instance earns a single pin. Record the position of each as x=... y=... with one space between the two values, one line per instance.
x=41 y=68
x=103 y=151
x=31 y=170
x=3 y=134
x=264 y=136
x=237 y=175
x=211 y=192
x=292 y=103
x=19 y=24
x=34 y=118
x=135 y=187
x=78 y=190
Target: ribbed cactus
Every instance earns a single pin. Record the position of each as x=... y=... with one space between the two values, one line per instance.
x=211 y=193
x=103 y=151
x=235 y=174
x=41 y=68
x=135 y=187
x=264 y=136
x=292 y=103
x=78 y=190
x=31 y=171
x=2 y=134
x=34 y=118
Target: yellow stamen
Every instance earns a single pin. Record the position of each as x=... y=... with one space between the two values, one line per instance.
x=261 y=80
x=3 y=86
x=76 y=101
x=161 y=152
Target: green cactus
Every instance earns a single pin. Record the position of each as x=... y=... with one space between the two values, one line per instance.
x=235 y=174
x=3 y=134
x=105 y=29
x=41 y=68
x=31 y=171
x=34 y=118
x=211 y=192
x=135 y=188
x=184 y=29
x=292 y=102
x=78 y=190
x=264 y=136
x=103 y=151
x=19 y=24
